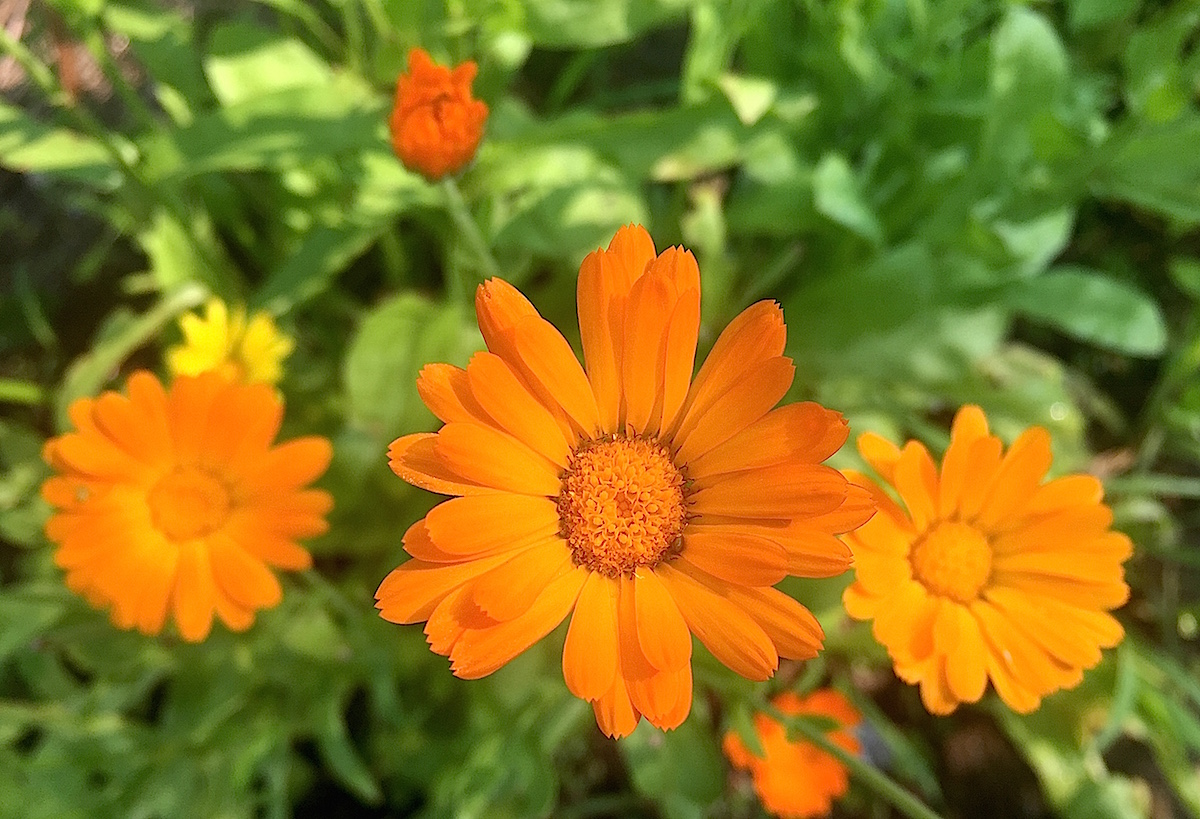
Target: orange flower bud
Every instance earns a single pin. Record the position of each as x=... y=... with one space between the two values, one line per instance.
x=436 y=123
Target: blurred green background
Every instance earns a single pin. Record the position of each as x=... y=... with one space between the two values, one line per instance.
x=962 y=201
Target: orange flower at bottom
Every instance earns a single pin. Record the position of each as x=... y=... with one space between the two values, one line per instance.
x=797 y=779
x=178 y=500
x=436 y=124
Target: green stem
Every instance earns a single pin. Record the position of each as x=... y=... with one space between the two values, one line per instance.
x=464 y=288
x=13 y=391
x=332 y=594
x=1171 y=486
x=871 y=777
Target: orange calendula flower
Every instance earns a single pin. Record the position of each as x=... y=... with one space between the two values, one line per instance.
x=177 y=500
x=652 y=505
x=987 y=571
x=436 y=123
x=797 y=779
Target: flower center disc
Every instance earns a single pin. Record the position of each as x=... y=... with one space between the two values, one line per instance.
x=188 y=503
x=622 y=505
x=953 y=560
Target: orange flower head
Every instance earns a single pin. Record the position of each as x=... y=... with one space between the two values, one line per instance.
x=436 y=123
x=652 y=505
x=987 y=571
x=796 y=780
x=177 y=500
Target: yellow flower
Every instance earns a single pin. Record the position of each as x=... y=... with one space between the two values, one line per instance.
x=247 y=352
x=179 y=500
x=653 y=505
x=987 y=572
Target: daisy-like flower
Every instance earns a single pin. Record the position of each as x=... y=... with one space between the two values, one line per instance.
x=436 y=124
x=653 y=506
x=987 y=571
x=797 y=779
x=223 y=340
x=177 y=500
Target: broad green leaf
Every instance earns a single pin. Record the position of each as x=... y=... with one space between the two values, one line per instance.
x=246 y=61
x=682 y=770
x=393 y=343
x=837 y=195
x=1092 y=307
x=591 y=23
x=88 y=373
x=1156 y=167
x=1029 y=63
x=29 y=146
x=1185 y=272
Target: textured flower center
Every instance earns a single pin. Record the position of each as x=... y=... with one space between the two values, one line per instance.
x=622 y=505
x=953 y=560
x=188 y=503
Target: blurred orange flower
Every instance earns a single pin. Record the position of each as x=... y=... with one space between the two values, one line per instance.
x=178 y=500
x=436 y=123
x=797 y=779
x=987 y=572
x=653 y=505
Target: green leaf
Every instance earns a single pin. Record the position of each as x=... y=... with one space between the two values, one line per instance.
x=591 y=23
x=836 y=195
x=1157 y=167
x=1185 y=272
x=1092 y=307
x=246 y=61
x=1029 y=63
x=682 y=770
x=88 y=373
x=394 y=341
x=333 y=742
x=29 y=146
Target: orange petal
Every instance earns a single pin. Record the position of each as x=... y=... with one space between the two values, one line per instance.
x=727 y=631
x=478 y=524
x=746 y=401
x=804 y=433
x=445 y=390
x=131 y=428
x=188 y=405
x=244 y=579
x=683 y=332
x=904 y=622
x=970 y=425
x=773 y=492
x=550 y=367
x=1063 y=530
x=754 y=336
x=966 y=664
x=792 y=628
x=288 y=466
x=195 y=592
x=413 y=459
x=590 y=650
x=917 y=482
x=880 y=453
x=1014 y=483
x=489 y=457
x=480 y=652
x=736 y=557
x=662 y=633
x=504 y=398
x=509 y=590
x=615 y=713
x=647 y=314
x=409 y=593
x=983 y=458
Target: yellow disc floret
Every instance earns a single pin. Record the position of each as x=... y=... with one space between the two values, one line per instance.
x=953 y=560
x=622 y=505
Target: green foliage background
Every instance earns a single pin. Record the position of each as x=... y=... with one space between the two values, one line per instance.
x=962 y=201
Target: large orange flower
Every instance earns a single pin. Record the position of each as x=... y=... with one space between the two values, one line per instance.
x=652 y=505
x=436 y=123
x=178 y=500
x=987 y=571
x=797 y=779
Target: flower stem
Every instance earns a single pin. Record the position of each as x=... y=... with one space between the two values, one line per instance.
x=873 y=778
x=462 y=286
